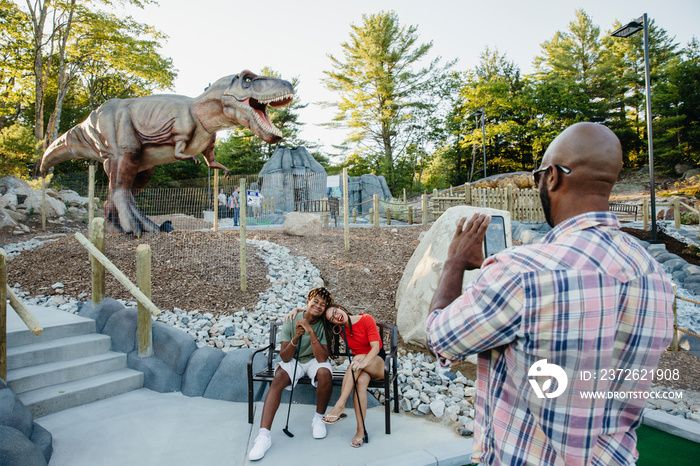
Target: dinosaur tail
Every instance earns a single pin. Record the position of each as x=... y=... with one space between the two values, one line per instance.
x=69 y=146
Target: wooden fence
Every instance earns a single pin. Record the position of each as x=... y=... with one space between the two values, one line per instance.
x=523 y=204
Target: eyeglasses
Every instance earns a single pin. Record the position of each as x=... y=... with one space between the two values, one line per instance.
x=536 y=173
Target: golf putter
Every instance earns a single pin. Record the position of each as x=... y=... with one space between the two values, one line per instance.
x=354 y=381
x=296 y=363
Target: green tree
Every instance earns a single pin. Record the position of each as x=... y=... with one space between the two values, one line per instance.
x=16 y=149
x=379 y=88
x=573 y=74
x=15 y=70
x=628 y=98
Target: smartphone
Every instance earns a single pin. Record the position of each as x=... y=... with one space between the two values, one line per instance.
x=495 y=240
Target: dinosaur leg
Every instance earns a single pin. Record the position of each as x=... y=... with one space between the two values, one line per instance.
x=121 y=209
x=208 y=154
x=141 y=180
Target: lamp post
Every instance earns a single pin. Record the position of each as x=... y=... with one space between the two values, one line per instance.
x=477 y=114
x=642 y=23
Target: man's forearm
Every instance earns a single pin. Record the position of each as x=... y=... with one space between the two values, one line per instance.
x=449 y=286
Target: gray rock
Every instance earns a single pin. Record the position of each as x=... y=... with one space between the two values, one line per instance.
x=14 y=414
x=664 y=257
x=675 y=264
x=680 y=276
x=17 y=450
x=102 y=312
x=157 y=375
x=43 y=439
x=172 y=346
x=437 y=407
x=230 y=381
x=201 y=367
x=121 y=326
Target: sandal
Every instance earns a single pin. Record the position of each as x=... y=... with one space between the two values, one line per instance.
x=357 y=442
x=332 y=418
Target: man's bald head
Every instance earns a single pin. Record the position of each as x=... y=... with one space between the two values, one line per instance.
x=582 y=163
x=591 y=151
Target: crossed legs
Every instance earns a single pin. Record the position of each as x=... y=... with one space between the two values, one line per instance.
x=373 y=370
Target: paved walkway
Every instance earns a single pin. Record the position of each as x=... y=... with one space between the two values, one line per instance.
x=144 y=427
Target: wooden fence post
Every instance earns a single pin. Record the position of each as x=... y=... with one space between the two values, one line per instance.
x=43 y=204
x=346 y=219
x=91 y=196
x=410 y=215
x=243 y=203
x=143 y=280
x=645 y=213
x=676 y=213
x=424 y=208
x=354 y=215
x=388 y=215
x=97 y=238
x=375 y=203
x=3 y=315
x=324 y=213
x=216 y=200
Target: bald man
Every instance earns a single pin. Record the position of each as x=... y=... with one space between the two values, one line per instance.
x=567 y=331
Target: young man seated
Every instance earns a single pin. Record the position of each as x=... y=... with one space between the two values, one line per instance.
x=304 y=337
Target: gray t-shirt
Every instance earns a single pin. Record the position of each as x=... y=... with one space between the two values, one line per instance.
x=306 y=352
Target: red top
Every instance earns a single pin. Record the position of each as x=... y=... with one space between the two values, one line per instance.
x=363 y=331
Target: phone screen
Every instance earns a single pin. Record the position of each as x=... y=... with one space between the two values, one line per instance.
x=495 y=240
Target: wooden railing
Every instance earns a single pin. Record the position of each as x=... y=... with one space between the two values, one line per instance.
x=141 y=293
x=19 y=307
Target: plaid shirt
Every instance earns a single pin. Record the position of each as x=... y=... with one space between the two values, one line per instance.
x=589 y=299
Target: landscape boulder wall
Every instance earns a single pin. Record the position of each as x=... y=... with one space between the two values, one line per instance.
x=421 y=275
x=23 y=442
x=292 y=174
x=177 y=364
x=300 y=224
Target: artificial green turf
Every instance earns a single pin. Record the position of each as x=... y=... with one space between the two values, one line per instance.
x=659 y=448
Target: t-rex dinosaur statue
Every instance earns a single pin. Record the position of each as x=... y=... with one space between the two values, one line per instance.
x=132 y=136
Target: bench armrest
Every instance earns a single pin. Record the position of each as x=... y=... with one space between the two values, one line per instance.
x=252 y=356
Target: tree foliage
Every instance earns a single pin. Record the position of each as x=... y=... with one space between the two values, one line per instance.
x=380 y=85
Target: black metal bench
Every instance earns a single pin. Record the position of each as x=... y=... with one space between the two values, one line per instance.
x=625 y=208
x=389 y=335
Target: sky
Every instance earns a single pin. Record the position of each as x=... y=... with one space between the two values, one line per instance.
x=209 y=39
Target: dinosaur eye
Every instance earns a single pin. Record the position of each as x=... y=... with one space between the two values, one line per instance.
x=247 y=79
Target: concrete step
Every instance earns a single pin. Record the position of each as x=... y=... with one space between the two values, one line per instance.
x=47 y=400
x=57 y=350
x=56 y=324
x=44 y=375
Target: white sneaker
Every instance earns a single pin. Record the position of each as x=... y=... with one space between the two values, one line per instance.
x=319 y=428
x=260 y=446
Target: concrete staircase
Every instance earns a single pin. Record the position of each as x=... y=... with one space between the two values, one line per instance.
x=68 y=365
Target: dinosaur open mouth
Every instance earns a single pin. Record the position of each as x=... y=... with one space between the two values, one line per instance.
x=260 y=111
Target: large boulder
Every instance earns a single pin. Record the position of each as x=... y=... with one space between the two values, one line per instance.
x=54 y=207
x=301 y=224
x=6 y=220
x=421 y=275
x=11 y=184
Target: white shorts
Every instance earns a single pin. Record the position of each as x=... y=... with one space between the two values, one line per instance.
x=309 y=368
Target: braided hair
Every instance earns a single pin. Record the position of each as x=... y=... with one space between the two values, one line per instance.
x=322 y=293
